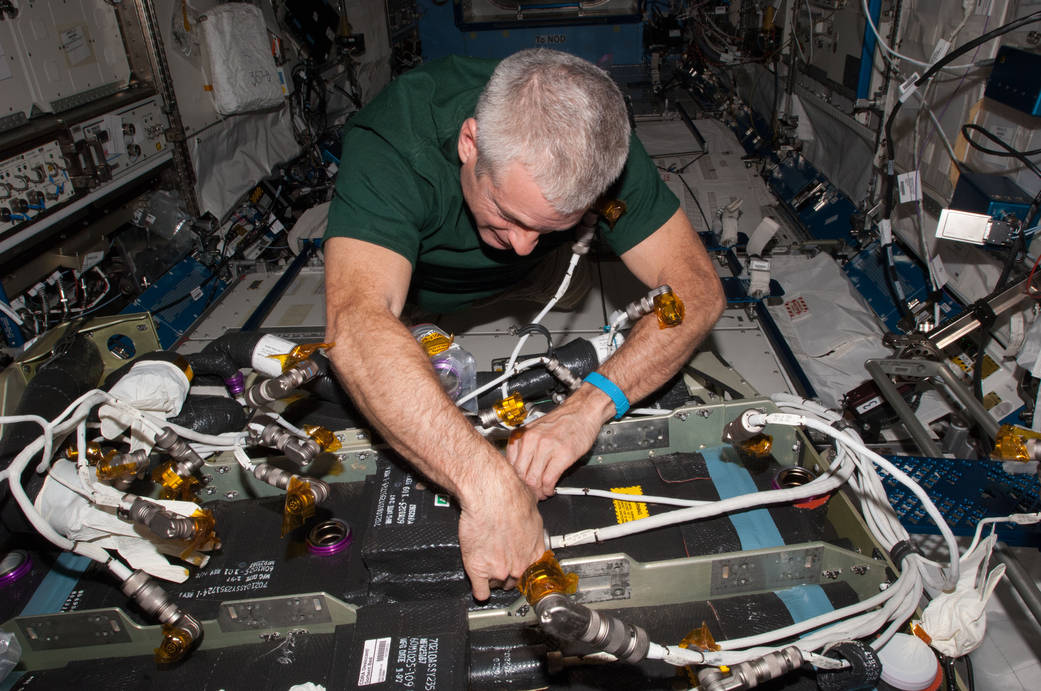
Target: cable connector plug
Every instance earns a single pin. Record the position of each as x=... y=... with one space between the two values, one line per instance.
x=744 y=427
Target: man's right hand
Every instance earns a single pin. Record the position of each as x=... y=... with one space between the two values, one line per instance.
x=500 y=532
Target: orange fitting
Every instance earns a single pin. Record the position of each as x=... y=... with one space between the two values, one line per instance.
x=669 y=310
x=758 y=446
x=511 y=410
x=545 y=577
x=298 y=354
x=325 y=439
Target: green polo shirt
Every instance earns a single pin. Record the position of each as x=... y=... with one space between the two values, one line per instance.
x=398 y=187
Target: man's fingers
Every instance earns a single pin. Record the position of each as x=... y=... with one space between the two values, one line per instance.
x=480 y=589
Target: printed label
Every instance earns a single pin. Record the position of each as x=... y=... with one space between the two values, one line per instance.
x=396 y=506
x=626 y=511
x=910 y=186
x=374 y=659
x=417 y=662
x=797 y=308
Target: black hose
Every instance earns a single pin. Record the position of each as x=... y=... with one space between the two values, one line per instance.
x=887 y=196
x=579 y=356
x=73 y=370
x=211 y=415
x=237 y=346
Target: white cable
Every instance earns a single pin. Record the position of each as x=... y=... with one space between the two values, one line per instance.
x=885 y=46
x=647 y=411
x=951 y=577
x=519 y=367
x=561 y=289
x=820 y=485
x=619 y=496
x=6 y=309
x=809 y=14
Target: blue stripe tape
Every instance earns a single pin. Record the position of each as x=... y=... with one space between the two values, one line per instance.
x=867 y=52
x=805 y=601
x=55 y=587
x=756 y=528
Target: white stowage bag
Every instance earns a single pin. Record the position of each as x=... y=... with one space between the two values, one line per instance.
x=156 y=387
x=238 y=56
x=957 y=621
x=63 y=503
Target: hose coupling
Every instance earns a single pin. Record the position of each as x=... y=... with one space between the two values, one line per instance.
x=562 y=618
x=741 y=429
x=186 y=461
x=164 y=523
x=122 y=465
x=300 y=451
x=273 y=389
x=302 y=494
x=180 y=629
x=750 y=674
x=562 y=374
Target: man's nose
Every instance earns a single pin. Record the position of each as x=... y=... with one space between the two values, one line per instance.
x=523 y=241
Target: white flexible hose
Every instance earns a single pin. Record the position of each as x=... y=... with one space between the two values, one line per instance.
x=820 y=485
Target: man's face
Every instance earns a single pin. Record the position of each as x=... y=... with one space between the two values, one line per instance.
x=514 y=214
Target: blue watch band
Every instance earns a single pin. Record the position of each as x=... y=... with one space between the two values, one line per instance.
x=621 y=403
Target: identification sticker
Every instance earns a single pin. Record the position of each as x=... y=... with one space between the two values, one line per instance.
x=374 y=657
x=626 y=511
x=910 y=186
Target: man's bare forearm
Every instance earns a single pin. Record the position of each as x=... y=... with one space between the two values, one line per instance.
x=389 y=377
x=650 y=355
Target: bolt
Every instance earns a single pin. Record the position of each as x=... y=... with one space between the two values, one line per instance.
x=359 y=435
x=222 y=469
x=210 y=490
x=683 y=416
x=704 y=413
x=231 y=494
x=650 y=454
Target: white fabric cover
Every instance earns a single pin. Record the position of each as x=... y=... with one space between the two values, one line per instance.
x=238 y=55
x=957 y=621
x=828 y=326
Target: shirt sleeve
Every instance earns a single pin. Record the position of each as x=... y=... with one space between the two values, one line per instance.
x=378 y=197
x=649 y=201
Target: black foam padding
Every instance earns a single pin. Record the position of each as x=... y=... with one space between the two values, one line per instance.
x=275 y=664
x=513 y=657
x=684 y=476
x=418 y=645
x=411 y=536
x=254 y=561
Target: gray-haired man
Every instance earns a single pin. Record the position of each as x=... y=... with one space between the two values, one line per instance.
x=454 y=183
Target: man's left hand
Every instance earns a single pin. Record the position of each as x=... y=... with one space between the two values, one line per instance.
x=544 y=448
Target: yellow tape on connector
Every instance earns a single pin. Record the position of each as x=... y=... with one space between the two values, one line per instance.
x=626 y=511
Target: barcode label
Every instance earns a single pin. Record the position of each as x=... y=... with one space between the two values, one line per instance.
x=374 y=659
x=910 y=186
x=196 y=293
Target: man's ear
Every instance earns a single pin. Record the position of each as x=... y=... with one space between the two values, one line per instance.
x=468 y=141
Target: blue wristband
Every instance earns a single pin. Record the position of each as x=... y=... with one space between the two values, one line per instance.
x=621 y=403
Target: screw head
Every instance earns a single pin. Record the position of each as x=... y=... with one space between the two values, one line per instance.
x=231 y=494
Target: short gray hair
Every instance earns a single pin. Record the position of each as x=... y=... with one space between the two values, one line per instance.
x=562 y=117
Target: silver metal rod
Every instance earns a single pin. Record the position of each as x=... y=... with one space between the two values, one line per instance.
x=964 y=325
x=892 y=395
x=1020 y=580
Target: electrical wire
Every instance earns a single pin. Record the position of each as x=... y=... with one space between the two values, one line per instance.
x=885 y=46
